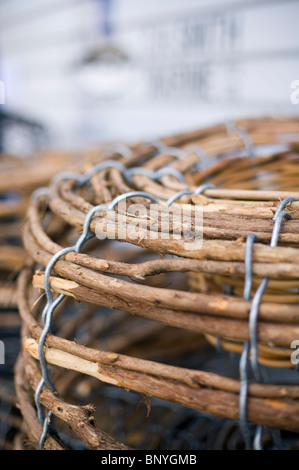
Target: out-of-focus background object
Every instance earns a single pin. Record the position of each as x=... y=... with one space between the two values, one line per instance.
x=96 y=70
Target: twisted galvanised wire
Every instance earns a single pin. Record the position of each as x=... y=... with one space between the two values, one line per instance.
x=166 y=149
x=204 y=160
x=51 y=304
x=187 y=192
x=153 y=175
x=176 y=152
x=128 y=173
x=250 y=240
x=252 y=344
x=202 y=154
x=232 y=128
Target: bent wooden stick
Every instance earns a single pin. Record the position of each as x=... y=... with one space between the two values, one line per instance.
x=276 y=413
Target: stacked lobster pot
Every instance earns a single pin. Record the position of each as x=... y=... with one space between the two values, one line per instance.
x=159 y=303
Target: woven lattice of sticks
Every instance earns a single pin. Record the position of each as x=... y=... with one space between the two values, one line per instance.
x=242 y=176
x=19 y=177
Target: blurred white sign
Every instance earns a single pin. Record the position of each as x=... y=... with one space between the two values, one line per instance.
x=178 y=64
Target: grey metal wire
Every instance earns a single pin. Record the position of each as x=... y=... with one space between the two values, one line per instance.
x=153 y=175
x=82 y=179
x=169 y=150
x=203 y=187
x=45 y=431
x=179 y=153
x=67 y=175
x=254 y=310
x=130 y=194
x=170 y=171
x=257 y=441
x=39 y=193
x=52 y=304
x=277 y=225
x=243 y=366
x=244 y=395
x=199 y=151
x=138 y=171
x=231 y=128
x=252 y=344
x=47 y=319
x=282 y=205
x=178 y=195
x=204 y=159
x=250 y=240
x=100 y=167
x=185 y=192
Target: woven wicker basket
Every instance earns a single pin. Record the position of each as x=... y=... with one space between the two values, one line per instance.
x=148 y=279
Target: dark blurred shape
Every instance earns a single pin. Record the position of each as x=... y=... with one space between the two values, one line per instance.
x=9 y=120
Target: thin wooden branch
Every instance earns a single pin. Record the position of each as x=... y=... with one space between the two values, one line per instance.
x=189 y=377
x=276 y=413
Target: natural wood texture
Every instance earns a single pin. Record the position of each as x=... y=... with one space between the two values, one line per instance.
x=148 y=279
x=219 y=403
x=269 y=333
x=139 y=375
x=11 y=258
x=8 y=297
x=33 y=427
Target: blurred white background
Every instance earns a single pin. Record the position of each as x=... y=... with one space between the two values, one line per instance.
x=94 y=70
